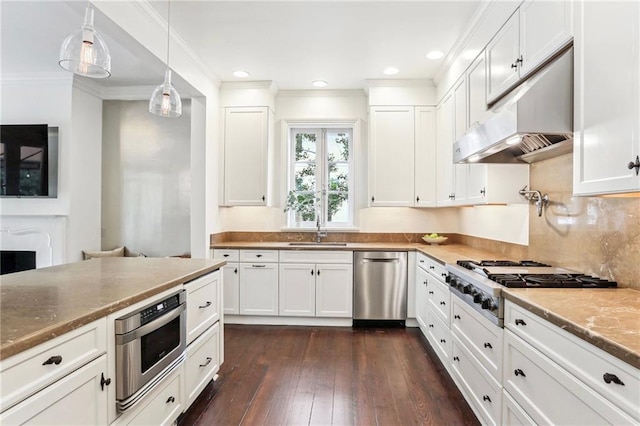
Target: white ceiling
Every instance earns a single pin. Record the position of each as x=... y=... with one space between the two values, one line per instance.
x=289 y=42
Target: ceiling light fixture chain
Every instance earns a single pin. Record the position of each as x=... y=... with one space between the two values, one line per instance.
x=165 y=100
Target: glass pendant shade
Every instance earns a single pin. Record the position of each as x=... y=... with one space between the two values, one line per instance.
x=165 y=100
x=84 y=52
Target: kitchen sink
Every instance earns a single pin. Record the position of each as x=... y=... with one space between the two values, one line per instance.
x=312 y=243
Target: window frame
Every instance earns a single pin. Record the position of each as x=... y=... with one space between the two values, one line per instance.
x=288 y=127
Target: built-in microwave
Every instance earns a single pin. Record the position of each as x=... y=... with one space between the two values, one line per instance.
x=150 y=343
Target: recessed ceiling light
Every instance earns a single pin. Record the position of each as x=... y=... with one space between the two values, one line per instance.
x=435 y=54
x=390 y=71
x=319 y=83
x=241 y=74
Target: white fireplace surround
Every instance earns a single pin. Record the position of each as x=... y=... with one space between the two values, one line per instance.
x=43 y=234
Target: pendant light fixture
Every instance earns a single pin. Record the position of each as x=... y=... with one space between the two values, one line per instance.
x=84 y=52
x=165 y=100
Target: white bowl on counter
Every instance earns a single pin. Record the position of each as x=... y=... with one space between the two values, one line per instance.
x=435 y=241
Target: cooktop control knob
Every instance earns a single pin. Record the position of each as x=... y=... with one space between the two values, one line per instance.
x=467 y=289
x=488 y=304
x=478 y=298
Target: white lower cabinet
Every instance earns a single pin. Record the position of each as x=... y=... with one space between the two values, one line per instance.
x=334 y=291
x=548 y=393
x=512 y=413
x=297 y=289
x=421 y=298
x=202 y=363
x=439 y=335
x=481 y=390
x=203 y=295
x=231 y=285
x=259 y=289
x=162 y=406
x=76 y=399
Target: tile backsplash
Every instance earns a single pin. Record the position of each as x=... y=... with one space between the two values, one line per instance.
x=594 y=235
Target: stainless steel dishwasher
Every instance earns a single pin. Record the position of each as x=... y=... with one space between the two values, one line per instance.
x=379 y=288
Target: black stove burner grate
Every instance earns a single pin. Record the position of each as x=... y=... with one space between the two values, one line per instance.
x=472 y=264
x=551 y=281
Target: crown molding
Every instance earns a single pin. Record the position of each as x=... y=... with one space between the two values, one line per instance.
x=400 y=83
x=321 y=93
x=472 y=26
x=258 y=84
x=127 y=93
x=37 y=77
x=88 y=86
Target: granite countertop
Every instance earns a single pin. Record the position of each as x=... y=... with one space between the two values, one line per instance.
x=606 y=318
x=611 y=323
x=40 y=304
x=446 y=253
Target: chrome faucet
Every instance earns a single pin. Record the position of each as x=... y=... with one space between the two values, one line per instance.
x=535 y=197
x=319 y=234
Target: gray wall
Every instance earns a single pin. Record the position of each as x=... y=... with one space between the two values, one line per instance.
x=146 y=179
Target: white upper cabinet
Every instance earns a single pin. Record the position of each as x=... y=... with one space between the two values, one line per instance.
x=391 y=174
x=425 y=157
x=246 y=140
x=477 y=93
x=607 y=98
x=444 y=154
x=533 y=34
x=502 y=54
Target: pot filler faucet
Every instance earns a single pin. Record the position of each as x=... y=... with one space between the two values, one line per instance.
x=535 y=197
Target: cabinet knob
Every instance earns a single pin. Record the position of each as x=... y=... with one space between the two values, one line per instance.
x=263 y=198
x=171 y=400
x=430 y=325
x=432 y=267
x=235 y=270
x=456 y=317
x=318 y=272
x=443 y=341
x=258 y=255
x=486 y=398
x=443 y=303
x=520 y=322
x=417 y=199
x=455 y=358
x=104 y=382
x=483 y=191
x=430 y=292
x=373 y=199
x=519 y=372
x=635 y=165
x=609 y=378
x=56 y=359
x=488 y=345
x=225 y=255
x=312 y=272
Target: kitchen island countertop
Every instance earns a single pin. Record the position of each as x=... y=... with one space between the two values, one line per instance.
x=41 y=304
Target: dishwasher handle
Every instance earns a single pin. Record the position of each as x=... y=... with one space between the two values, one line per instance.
x=367 y=260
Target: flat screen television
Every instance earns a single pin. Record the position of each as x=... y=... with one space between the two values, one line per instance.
x=28 y=160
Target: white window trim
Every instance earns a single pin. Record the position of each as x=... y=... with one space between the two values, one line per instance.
x=285 y=132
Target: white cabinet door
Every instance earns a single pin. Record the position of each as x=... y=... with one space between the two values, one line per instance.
x=460 y=171
x=496 y=183
x=607 y=94
x=203 y=306
x=202 y=362
x=444 y=154
x=477 y=92
x=259 y=289
x=246 y=139
x=391 y=156
x=422 y=282
x=425 y=157
x=334 y=290
x=231 y=291
x=297 y=289
x=545 y=26
x=76 y=399
x=502 y=55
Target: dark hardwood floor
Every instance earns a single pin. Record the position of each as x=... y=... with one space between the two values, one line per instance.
x=328 y=375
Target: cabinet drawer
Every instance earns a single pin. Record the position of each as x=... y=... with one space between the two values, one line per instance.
x=512 y=412
x=439 y=336
x=479 y=335
x=439 y=298
x=259 y=256
x=435 y=268
x=203 y=362
x=163 y=405
x=548 y=393
x=203 y=305
x=27 y=372
x=316 y=256
x=229 y=255
x=75 y=399
x=481 y=390
x=587 y=362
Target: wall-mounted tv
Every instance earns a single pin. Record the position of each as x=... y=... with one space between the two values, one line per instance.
x=28 y=160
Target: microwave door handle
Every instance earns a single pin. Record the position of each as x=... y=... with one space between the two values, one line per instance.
x=153 y=325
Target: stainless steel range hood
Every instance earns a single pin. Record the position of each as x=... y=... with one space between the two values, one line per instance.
x=531 y=123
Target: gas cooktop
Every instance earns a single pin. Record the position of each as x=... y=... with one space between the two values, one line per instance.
x=532 y=274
